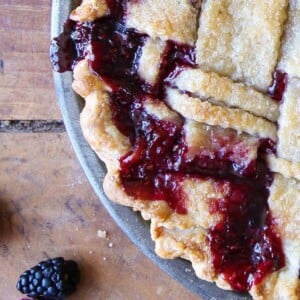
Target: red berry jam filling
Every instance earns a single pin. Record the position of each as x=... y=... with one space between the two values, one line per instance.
x=280 y=81
x=70 y=46
x=244 y=244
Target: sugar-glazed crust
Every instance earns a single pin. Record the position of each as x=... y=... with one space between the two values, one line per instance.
x=289 y=61
x=150 y=59
x=205 y=112
x=285 y=167
x=233 y=35
x=210 y=86
x=168 y=19
x=289 y=123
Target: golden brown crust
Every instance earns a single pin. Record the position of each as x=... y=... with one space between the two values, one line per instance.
x=289 y=61
x=190 y=244
x=150 y=60
x=205 y=112
x=186 y=236
x=90 y=10
x=289 y=123
x=168 y=19
x=85 y=81
x=217 y=89
x=232 y=39
x=284 y=167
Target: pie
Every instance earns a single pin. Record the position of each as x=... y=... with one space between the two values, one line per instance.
x=194 y=106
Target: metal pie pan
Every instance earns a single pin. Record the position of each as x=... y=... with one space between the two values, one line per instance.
x=130 y=222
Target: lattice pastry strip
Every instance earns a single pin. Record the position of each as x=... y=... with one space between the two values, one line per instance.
x=285 y=167
x=289 y=123
x=205 y=112
x=223 y=91
x=168 y=20
x=289 y=61
x=241 y=39
x=150 y=60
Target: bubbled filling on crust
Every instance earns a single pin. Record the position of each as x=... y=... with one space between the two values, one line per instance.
x=280 y=81
x=244 y=243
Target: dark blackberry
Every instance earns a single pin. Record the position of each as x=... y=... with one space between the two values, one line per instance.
x=53 y=279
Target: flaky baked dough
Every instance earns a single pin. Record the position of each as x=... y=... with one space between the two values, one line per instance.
x=150 y=59
x=289 y=123
x=290 y=53
x=217 y=89
x=241 y=39
x=168 y=19
x=185 y=236
x=205 y=112
x=90 y=10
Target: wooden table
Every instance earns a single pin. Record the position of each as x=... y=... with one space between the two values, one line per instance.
x=47 y=207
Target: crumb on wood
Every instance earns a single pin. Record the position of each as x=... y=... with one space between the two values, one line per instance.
x=102 y=234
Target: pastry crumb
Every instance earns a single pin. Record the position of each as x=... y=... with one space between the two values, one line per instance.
x=102 y=234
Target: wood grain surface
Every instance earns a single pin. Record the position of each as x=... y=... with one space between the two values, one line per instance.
x=26 y=82
x=47 y=207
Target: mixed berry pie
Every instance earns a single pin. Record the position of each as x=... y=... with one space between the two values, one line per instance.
x=194 y=106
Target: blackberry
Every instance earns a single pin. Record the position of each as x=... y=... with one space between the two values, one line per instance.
x=53 y=279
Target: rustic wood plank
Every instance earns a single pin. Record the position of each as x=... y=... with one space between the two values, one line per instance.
x=47 y=208
x=26 y=82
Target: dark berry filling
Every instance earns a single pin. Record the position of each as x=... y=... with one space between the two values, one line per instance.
x=280 y=81
x=70 y=46
x=244 y=244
